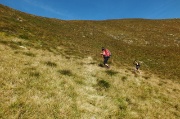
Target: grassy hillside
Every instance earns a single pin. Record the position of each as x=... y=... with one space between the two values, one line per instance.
x=49 y=68
x=41 y=84
x=154 y=42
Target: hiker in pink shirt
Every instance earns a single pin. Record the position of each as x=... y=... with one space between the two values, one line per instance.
x=106 y=55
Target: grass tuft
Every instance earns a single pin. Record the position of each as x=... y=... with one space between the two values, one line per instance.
x=29 y=54
x=24 y=37
x=122 y=105
x=34 y=74
x=146 y=77
x=124 y=78
x=66 y=72
x=51 y=64
x=111 y=72
x=4 y=42
x=103 y=84
x=100 y=65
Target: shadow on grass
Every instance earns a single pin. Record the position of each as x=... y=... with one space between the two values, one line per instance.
x=65 y=72
x=102 y=85
x=51 y=64
x=111 y=72
x=29 y=54
x=34 y=74
x=124 y=78
x=100 y=65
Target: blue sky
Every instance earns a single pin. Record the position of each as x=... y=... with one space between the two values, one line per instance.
x=98 y=9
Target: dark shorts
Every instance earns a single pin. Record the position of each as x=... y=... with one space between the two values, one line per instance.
x=137 y=67
x=106 y=60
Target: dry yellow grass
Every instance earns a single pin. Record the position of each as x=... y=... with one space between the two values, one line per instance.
x=154 y=42
x=38 y=84
x=42 y=75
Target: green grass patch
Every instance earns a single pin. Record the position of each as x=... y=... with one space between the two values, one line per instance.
x=66 y=72
x=34 y=74
x=146 y=77
x=51 y=64
x=124 y=78
x=24 y=37
x=101 y=65
x=4 y=42
x=29 y=54
x=111 y=72
x=122 y=105
x=103 y=84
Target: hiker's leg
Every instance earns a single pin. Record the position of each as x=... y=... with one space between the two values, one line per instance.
x=137 y=69
x=105 y=61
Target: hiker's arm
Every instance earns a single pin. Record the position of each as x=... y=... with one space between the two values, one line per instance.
x=103 y=53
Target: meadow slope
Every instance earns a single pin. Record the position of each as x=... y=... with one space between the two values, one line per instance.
x=38 y=84
x=51 y=68
x=156 y=43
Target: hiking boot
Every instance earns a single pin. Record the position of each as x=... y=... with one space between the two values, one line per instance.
x=107 y=66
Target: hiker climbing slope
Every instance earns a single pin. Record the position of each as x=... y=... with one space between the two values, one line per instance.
x=137 y=64
x=106 y=55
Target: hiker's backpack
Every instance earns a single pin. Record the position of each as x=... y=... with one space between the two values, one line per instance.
x=107 y=53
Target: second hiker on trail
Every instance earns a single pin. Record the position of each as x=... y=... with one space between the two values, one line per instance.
x=137 y=64
x=106 y=55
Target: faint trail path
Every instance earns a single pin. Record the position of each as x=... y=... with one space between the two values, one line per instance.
x=93 y=104
x=90 y=101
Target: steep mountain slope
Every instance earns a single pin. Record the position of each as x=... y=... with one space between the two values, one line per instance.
x=41 y=84
x=154 y=42
x=50 y=68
